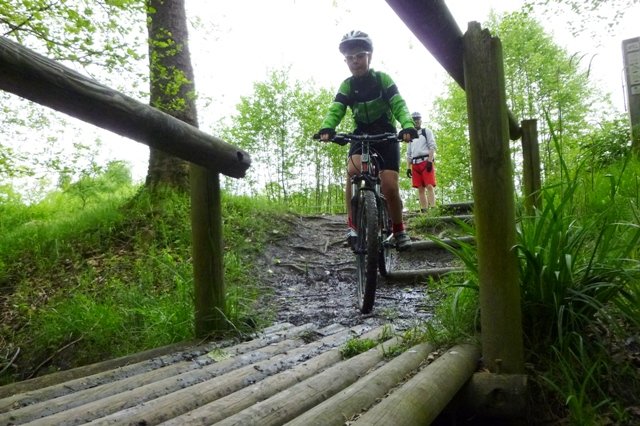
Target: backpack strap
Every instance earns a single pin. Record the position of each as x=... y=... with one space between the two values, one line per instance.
x=424 y=133
x=383 y=92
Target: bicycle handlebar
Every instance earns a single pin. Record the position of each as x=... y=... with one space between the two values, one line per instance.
x=345 y=138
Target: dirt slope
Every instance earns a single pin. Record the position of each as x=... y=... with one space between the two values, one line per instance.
x=312 y=275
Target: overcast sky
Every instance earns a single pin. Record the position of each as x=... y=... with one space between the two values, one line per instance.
x=251 y=37
x=234 y=44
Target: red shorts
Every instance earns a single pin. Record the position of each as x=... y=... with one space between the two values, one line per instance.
x=421 y=177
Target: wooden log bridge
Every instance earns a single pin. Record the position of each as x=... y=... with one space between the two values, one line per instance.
x=42 y=80
x=285 y=375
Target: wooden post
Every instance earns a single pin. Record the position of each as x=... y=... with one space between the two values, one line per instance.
x=501 y=317
x=631 y=57
x=531 y=165
x=207 y=251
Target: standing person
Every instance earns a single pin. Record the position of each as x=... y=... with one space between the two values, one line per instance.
x=421 y=154
x=376 y=104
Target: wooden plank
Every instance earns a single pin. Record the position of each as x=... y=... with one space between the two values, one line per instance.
x=64 y=409
x=297 y=399
x=430 y=245
x=247 y=397
x=366 y=391
x=39 y=79
x=424 y=396
x=185 y=400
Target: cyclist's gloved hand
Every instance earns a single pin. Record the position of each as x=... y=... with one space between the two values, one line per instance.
x=326 y=134
x=429 y=166
x=408 y=134
x=409 y=174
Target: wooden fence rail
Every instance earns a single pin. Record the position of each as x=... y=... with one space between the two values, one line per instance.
x=44 y=81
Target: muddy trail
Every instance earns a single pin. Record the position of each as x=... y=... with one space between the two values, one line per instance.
x=311 y=275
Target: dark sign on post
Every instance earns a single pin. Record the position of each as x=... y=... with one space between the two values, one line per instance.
x=631 y=57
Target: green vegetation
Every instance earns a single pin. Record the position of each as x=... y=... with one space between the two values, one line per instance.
x=579 y=276
x=357 y=345
x=106 y=273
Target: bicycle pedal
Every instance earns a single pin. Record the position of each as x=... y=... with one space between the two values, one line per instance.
x=389 y=242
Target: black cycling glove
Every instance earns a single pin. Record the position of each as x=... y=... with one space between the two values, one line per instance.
x=328 y=131
x=412 y=131
x=409 y=174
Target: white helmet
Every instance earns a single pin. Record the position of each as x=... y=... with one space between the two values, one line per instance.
x=355 y=39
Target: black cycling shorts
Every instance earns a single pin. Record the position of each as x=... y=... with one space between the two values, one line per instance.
x=388 y=154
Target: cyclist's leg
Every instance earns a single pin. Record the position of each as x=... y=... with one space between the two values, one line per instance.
x=389 y=178
x=390 y=164
x=353 y=166
x=391 y=190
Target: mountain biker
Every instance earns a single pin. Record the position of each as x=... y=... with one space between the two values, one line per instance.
x=421 y=154
x=376 y=104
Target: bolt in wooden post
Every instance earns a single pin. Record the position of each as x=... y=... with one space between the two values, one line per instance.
x=208 y=265
x=530 y=165
x=494 y=204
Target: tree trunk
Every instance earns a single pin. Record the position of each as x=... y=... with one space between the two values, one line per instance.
x=172 y=84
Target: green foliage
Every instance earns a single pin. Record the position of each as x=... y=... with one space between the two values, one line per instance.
x=86 y=32
x=275 y=125
x=95 y=182
x=607 y=143
x=571 y=267
x=115 y=277
x=450 y=127
x=583 y=374
x=356 y=346
x=579 y=261
x=592 y=17
x=543 y=82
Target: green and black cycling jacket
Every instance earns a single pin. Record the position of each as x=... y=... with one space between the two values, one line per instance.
x=375 y=103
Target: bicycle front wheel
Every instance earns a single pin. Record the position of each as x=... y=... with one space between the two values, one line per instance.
x=367 y=250
x=386 y=250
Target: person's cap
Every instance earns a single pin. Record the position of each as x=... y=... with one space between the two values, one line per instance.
x=416 y=116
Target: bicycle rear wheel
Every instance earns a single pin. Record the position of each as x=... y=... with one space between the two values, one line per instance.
x=385 y=258
x=367 y=250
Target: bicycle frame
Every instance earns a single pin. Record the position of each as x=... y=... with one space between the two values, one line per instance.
x=370 y=215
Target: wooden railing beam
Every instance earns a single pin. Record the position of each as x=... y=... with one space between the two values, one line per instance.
x=44 y=81
x=432 y=23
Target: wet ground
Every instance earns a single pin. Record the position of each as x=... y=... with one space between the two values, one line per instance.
x=312 y=276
